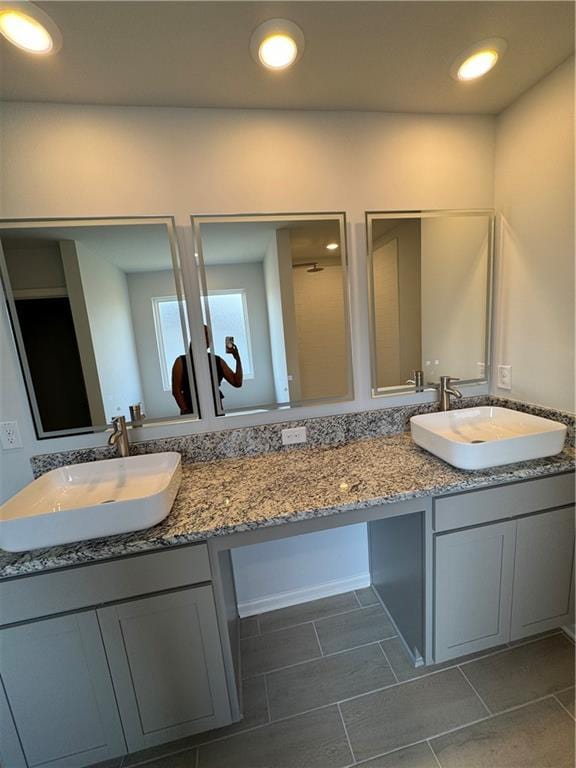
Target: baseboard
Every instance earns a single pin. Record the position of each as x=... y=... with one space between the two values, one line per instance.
x=570 y=630
x=302 y=595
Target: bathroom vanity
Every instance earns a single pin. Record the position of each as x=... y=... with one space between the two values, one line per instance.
x=120 y=644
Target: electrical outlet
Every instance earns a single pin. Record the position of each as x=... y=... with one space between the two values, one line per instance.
x=10 y=435
x=294 y=435
x=504 y=377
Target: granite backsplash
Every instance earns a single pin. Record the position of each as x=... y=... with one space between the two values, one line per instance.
x=266 y=438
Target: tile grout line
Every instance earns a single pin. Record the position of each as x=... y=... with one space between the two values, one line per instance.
x=464 y=675
x=462 y=727
x=197 y=761
x=436 y=758
x=565 y=708
x=317 y=658
x=318 y=618
x=343 y=701
x=452 y=664
x=527 y=640
x=267 y=699
x=176 y=752
x=403 y=682
x=358 y=599
x=455 y=663
x=322 y=654
x=346 y=734
x=393 y=685
x=389 y=662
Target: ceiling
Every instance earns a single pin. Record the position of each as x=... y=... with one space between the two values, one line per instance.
x=226 y=243
x=131 y=248
x=388 y=56
x=146 y=247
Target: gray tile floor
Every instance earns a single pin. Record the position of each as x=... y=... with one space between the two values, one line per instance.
x=328 y=685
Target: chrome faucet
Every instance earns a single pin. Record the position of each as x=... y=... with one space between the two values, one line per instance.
x=136 y=414
x=119 y=436
x=445 y=391
x=417 y=380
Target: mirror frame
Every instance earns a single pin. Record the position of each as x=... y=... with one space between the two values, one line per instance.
x=371 y=216
x=339 y=216
x=94 y=221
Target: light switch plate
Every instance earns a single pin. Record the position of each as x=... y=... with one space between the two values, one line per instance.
x=294 y=435
x=504 y=377
x=10 y=435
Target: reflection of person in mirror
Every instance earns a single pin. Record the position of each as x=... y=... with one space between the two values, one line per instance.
x=181 y=382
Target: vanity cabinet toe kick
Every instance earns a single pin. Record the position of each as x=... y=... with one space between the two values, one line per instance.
x=125 y=654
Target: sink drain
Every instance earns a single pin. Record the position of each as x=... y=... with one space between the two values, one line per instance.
x=474 y=442
x=108 y=501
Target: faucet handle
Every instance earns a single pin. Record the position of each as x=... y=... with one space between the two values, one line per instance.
x=136 y=412
x=418 y=378
x=448 y=379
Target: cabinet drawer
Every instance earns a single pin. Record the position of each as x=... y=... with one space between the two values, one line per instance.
x=478 y=507
x=71 y=589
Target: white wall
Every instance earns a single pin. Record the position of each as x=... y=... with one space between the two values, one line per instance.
x=454 y=271
x=82 y=329
x=386 y=313
x=273 y=285
x=108 y=307
x=142 y=288
x=77 y=161
x=259 y=388
x=397 y=303
x=34 y=265
x=284 y=248
x=534 y=318
x=294 y=570
x=321 y=330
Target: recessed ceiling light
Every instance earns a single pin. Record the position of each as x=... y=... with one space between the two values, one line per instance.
x=478 y=60
x=277 y=44
x=332 y=247
x=29 y=28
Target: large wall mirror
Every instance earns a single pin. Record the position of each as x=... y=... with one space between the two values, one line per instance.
x=98 y=315
x=430 y=290
x=275 y=301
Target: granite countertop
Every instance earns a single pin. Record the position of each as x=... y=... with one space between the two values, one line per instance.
x=231 y=495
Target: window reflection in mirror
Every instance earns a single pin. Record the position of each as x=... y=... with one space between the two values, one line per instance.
x=275 y=287
x=430 y=290
x=98 y=317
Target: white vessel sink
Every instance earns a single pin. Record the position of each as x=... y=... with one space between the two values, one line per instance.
x=86 y=501
x=477 y=438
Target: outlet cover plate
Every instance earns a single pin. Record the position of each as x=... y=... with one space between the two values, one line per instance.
x=10 y=438
x=294 y=435
x=504 y=377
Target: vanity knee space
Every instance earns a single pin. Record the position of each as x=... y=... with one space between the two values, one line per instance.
x=503 y=564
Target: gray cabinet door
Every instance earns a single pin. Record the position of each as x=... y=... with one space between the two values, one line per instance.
x=11 y=755
x=58 y=688
x=166 y=662
x=543 y=572
x=473 y=588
